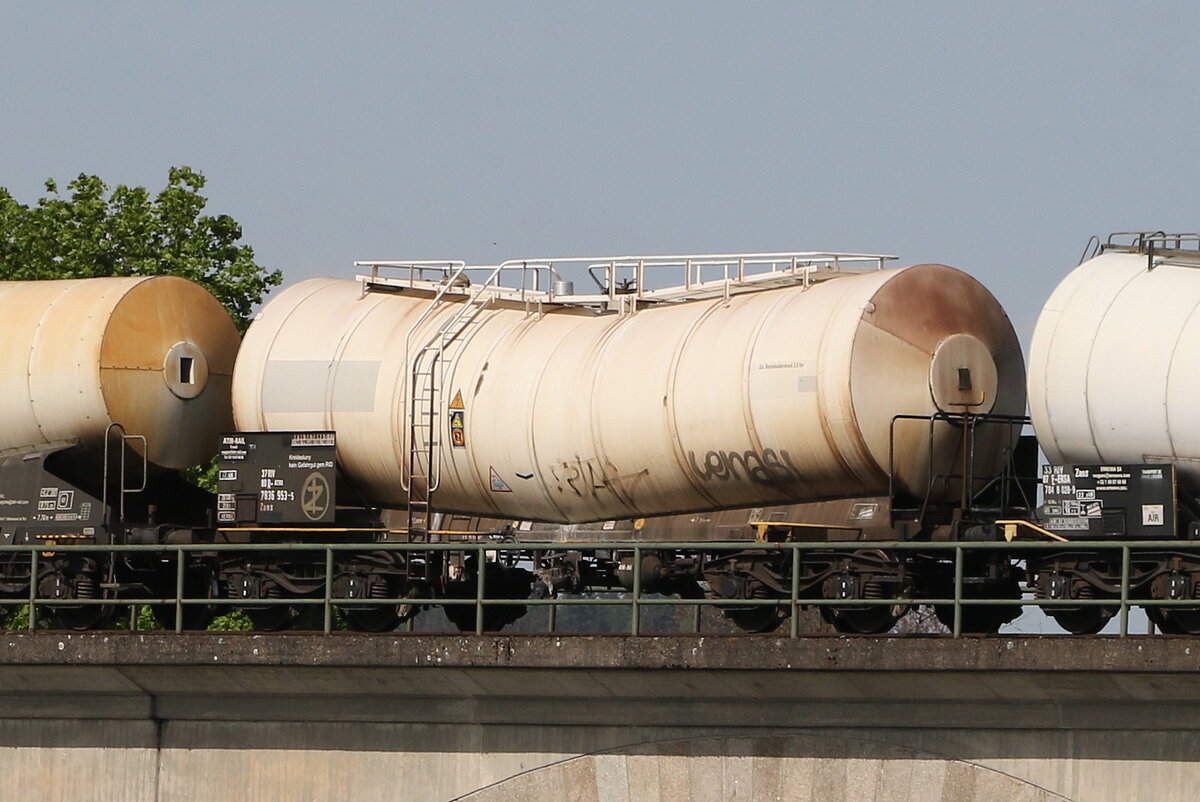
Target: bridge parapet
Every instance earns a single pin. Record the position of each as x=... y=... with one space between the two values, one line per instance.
x=1088 y=718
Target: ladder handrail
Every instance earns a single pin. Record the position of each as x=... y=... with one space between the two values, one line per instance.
x=432 y=354
x=450 y=279
x=122 y=489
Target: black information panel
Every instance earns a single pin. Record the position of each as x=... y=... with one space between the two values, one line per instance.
x=35 y=502
x=276 y=478
x=1095 y=501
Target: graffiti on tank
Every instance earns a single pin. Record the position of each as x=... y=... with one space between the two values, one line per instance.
x=586 y=478
x=771 y=467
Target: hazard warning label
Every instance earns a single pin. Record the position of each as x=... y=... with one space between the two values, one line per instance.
x=497 y=484
x=458 y=429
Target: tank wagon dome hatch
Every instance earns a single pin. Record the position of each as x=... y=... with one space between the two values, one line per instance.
x=749 y=379
x=153 y=354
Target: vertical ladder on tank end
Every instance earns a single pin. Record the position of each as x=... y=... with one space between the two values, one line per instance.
x=122 y=488
x=425 y=395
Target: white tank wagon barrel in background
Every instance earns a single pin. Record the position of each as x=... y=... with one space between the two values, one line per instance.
x=775 y=382
x=1113 y=368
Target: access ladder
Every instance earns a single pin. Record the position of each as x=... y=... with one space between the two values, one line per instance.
x=424 y=408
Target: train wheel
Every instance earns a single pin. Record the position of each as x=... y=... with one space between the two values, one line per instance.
x=1176 y=585
x=197 y=584
x=1178 y=620
x=194 y=616
x=726 y=582
x=362 y=588
x=76 y=585
x=1083 y=620
x=765 y=618
x=374 y=619
x=1166 y=626
x=980 y=619
x=864 y=620
x=502 y=582
x=1076 y=620
x=271 y=619
x=872 y=620
x=495 y=616
x=83 y=618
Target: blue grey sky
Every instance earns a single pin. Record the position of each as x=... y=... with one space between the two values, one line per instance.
x=995 y=137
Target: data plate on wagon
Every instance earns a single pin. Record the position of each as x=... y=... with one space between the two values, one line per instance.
x=1085 y=502
x=276 y=478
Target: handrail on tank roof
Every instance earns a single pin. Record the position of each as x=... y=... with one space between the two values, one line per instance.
x=621 y=280
x=1157 y=240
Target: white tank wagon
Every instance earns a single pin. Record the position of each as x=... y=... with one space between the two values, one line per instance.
x=774 y=383
x=153 y=354
x=1113 y=382
x=1113 y=362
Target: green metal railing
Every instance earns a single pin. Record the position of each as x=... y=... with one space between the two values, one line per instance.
x=636 y=600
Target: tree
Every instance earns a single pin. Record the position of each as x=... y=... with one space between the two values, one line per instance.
x=125 y=232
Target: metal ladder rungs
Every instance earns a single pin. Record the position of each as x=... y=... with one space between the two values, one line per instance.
x=428 y=369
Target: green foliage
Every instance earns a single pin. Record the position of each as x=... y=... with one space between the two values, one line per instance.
x=146 y=622
x=232 y=621
x=18 y=619
x=203 y=476
x=126 y=232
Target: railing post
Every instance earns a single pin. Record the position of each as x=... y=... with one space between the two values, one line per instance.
x=328 y=605
x=1124 y=591
x=635 y=623
x=480 y=571
x=795 y=600
x=179 y=589
x=958 y=583
x=33 y=585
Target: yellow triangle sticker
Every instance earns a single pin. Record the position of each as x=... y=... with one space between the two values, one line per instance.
x=457 y=403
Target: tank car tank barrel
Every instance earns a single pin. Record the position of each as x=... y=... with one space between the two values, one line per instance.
x=154 y=354
x=779 y=392
x=1112 y=362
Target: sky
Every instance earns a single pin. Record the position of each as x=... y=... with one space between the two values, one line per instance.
x=995 y=137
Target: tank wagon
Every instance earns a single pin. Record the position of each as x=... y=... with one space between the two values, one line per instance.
x=690 y=383
x=1113 y=383
x=108 y=385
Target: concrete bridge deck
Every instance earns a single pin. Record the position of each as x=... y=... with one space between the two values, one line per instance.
x=151 y=716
